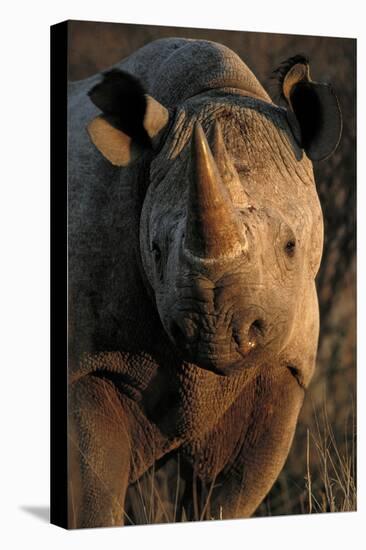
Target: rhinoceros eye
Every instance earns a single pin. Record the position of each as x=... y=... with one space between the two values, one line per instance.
x=156 y=252
x=290 y=247
x=157 y=255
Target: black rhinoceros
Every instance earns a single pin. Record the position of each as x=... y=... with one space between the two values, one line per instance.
x=195 y=235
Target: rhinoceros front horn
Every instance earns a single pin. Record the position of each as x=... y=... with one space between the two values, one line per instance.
x=213 y=229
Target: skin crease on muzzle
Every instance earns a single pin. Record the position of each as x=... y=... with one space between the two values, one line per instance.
x=229 y=309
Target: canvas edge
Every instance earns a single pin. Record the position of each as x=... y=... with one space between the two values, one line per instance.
x=59 y=291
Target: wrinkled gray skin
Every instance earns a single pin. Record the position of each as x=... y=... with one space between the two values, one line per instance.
x=161 y=354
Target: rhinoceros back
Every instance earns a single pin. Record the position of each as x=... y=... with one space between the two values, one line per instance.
x=174 y=69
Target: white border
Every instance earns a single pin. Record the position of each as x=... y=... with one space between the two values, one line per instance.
x=24 y=275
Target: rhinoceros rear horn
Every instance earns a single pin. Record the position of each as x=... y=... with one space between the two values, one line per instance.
x=131 y=120
x=314 y=113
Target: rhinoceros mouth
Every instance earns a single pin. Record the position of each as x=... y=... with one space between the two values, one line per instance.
x=223 y=351
x=219 y=357
x=222 y=366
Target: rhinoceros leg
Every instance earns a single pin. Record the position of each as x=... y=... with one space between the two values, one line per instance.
x=264 y=447
x=99 y=454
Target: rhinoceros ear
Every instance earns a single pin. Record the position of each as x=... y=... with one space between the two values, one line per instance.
x=313 y=109
x=131 y=119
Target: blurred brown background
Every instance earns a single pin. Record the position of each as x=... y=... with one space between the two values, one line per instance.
x=320 y=472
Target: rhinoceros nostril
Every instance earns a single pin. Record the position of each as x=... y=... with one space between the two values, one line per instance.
x=236 y=338
x=256 y=328
x=248 y=339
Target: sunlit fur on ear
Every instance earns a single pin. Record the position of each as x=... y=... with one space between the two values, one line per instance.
x=122 y=96
x=279 y=74
x=315 y=106
x=156 y=117
x=115 y=145
x=132 y=115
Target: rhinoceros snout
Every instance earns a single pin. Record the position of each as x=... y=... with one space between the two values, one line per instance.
x=211 y=342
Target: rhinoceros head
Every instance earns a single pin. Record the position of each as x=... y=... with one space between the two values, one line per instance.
x=231 y=228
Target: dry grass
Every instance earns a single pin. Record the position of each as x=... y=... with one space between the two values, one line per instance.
x=327 y=482
x=335 y=477
x=159 y=497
